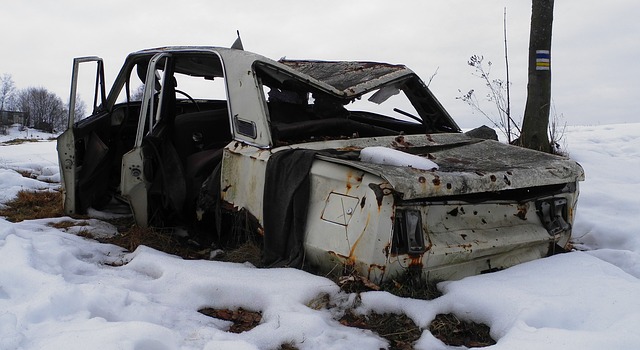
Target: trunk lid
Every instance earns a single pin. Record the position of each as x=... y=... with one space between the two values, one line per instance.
x=466 y=165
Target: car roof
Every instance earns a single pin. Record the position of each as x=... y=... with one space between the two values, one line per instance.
x=345 y=79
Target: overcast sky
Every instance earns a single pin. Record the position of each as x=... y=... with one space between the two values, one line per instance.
x=595 y=51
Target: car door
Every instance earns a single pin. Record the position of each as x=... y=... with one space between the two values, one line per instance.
x=87 y=76
x=134 y=182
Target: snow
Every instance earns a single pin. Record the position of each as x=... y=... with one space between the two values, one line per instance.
x=389 y=156
x=59 y=290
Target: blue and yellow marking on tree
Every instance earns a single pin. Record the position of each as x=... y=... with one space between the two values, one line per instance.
x=543 y=60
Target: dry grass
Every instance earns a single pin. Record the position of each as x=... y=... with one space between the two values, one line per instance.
x=399 y=330
x=247 y=252
x=451 y=331
x=20 y=141
x=66 y=224
x=411 y=284
x=30 y=205
x=130 y=238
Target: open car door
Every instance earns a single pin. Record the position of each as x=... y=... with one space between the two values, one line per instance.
x=134 y=181
x=69 y=168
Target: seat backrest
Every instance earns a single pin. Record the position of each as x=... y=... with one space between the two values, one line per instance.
x=194 y=132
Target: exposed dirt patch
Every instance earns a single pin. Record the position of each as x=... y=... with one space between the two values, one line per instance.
x=399 y=330
x=26 y=173
x=243 y=320
x=411 y=284
x=451 y=331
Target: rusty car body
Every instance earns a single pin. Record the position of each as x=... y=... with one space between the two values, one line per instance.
x=191 y=137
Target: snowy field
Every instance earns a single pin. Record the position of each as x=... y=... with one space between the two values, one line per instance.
x=61 y=291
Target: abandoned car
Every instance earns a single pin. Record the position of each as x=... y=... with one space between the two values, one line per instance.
x=333 y=165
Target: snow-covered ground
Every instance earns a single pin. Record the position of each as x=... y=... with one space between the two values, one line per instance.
x=61 y=291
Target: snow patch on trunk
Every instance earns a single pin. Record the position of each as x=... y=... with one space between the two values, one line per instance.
x=388 y=156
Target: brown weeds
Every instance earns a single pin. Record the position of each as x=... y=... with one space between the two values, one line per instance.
x=454 y=332
x=30 y=205
x=398 y=329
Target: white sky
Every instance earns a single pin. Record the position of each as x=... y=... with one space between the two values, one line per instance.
x=594 y=51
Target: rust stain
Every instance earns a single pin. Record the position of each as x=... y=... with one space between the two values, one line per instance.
x=373 y=267
x=387 y=249
x=349 y=175
x=349 y=149
x=400 y=142
x=570 y=213
x=337 y=255
x=429 y=246
x=350 y=260
x=522 y=211
x=415 y=261
x=355 y=178
x=422 y=180
x=379 y=192
x=468 y=247
x=348 y=263
x=436 y=180
x=355 y=244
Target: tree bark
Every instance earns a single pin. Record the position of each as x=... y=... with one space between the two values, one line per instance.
x=536 y=114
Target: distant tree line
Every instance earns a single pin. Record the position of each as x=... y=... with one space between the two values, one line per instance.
x=41 y=109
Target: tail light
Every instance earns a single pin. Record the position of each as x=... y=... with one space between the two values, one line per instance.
x=553 y=213
x=408 y=237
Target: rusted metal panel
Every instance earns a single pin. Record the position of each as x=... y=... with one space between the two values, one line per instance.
x=351 y=77
x=242 y=177
x=466 y=238
x=245 y=99
x=360 y=243
x=466 y=165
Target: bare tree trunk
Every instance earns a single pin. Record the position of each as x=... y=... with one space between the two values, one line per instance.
x=536 y=114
